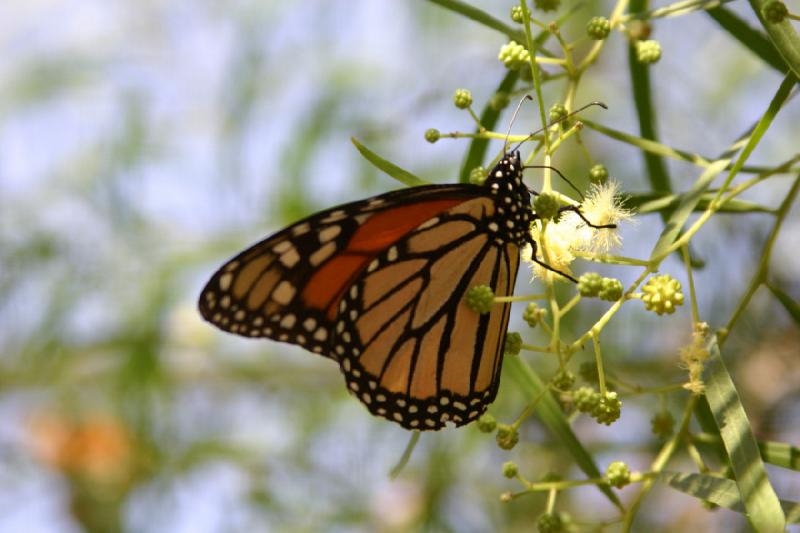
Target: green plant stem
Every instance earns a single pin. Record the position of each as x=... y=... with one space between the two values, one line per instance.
x=693 y=295
x=760 y=275
x=600 y=324
x=658 y=465
x=598 y=359
x=537 y=84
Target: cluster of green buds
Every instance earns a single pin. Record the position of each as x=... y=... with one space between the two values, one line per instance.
x=514 y=55
x=648 y=51
x=546 y=206
x=598 y=28
x=462 y=98
x=549 y=523
x=618 y=474
x=592 y=285
x=533 y=314
x=662 y=294
x=480 y=299
x=477 y=175
x=662 y=424
x=513 y=343
x=598 y=174
x=603 y=408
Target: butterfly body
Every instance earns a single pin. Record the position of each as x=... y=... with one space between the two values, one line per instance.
x=378 y=285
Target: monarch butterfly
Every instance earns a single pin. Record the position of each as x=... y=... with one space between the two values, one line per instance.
x=378 y=286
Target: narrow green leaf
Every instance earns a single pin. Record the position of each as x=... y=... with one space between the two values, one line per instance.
x=750 y=38
x=648 y=145
x=403 y=461
x=750 y=140
x=642 y=97
x=401 y=175
x=477 y=148
x=688 y=202
x=763 y=509
x=649 y=202
x=481 y=17
x=720 y=491
x=788 y=302
x=551 y=416
x=780 y=454
x=783 y=36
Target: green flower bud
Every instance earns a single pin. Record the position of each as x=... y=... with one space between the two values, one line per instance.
x=610 y=290
x=598 y=28
x=590 y=284
x=662 y=424
x=513 y=343
x=618 y=474
x=662 y=294
x=480 y=299
x=533 y=314
x=557 y=112
x=648 y=51
x=513 y=55
x=506 y=436
x=775 y=11
x=607 y=409
x=585 y=399
x=516 y=14
x=477 y=175
x=548 y=523
x=546 y=206
x=432 y=135
x=462 y=98
x=563 y=380
x=510 y=469
x=486 y=423
x=598 y=174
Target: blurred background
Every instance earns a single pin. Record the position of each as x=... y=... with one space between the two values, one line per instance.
x=142 y=143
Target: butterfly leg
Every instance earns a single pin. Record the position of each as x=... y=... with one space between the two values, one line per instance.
x=534 y=248
x=577 y=210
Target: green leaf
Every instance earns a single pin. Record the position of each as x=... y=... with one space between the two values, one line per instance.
x=783 y=36
x=482 y=17
x=763 y=509
x=788 y=302
x=401 y=175
x=720 y=491
x=649 y=202
x=648 y=145
x=780 y=454
x=403 y=461
x=688 y=202
x=752 y=39
x=642 y=97
x=553 y=418
x=477 y=148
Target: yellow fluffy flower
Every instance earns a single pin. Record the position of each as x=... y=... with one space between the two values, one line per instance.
x=561 y=241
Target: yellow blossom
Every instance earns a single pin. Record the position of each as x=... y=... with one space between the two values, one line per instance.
x=563 y=240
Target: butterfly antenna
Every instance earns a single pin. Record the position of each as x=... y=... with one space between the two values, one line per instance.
x=563 y=177
x=565 y=117
x=513 y=118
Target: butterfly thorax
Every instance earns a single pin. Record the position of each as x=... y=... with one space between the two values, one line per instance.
x=512 y=198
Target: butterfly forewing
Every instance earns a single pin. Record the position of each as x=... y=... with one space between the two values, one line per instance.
x=287 y=287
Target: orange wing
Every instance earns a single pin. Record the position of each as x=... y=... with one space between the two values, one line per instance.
x=409 y=347
x=288 y=286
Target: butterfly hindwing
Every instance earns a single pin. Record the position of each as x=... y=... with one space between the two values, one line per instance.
x=410 y=348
